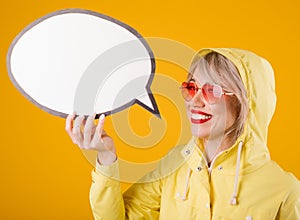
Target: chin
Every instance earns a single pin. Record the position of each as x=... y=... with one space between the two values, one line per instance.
x=199 y=134
x=201 y=131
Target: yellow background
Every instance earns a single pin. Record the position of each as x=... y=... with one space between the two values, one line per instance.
x=45 y=176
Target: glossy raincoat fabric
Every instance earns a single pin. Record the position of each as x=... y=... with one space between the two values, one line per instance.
x=241 y=183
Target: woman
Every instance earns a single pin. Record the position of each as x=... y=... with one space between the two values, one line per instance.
x=226 y=171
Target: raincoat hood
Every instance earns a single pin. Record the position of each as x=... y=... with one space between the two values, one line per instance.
x=258 y=78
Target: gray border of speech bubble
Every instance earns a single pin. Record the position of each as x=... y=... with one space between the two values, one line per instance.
x=155 y=111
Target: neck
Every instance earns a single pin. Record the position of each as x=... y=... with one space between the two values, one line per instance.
x=213 y=147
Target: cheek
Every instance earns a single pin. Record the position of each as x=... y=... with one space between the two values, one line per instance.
x=187 y=107
x=219 y=110
x=231 y=115
x=230 y=119
x=220 y=113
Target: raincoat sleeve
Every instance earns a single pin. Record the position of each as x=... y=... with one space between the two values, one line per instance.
x=140 y=201
x=290 y=209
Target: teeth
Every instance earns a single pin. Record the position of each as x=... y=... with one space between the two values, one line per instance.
x=200 y=117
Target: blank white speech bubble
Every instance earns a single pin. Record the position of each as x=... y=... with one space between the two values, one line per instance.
x=82 y=61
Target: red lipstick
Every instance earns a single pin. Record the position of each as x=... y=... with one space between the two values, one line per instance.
x=199 y=117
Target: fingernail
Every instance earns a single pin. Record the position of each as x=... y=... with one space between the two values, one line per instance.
x=102 y=116
x=74 y=115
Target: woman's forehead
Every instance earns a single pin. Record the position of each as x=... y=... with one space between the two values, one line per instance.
x=201 y=77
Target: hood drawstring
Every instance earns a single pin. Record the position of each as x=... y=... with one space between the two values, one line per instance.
x=233 y=200
x=183 y=197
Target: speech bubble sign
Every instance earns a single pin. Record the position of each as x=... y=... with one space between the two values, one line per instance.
x=79 y=60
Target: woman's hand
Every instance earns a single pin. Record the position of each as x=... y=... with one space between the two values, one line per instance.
x=87 y=135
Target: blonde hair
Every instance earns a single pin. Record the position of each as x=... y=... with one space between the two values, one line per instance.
x=224 y=73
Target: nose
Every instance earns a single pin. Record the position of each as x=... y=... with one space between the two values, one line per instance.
x=198 y=99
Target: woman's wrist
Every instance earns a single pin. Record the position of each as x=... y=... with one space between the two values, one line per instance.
x=106 y=158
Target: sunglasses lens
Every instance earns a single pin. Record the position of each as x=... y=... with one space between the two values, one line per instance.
x=212 y=93
x=188 y=90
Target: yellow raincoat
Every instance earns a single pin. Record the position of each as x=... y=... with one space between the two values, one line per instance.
x=241 y=183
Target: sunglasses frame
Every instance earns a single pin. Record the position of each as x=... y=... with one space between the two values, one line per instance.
x=197 y=88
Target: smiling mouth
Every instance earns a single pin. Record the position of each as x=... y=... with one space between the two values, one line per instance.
x=199 y=117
